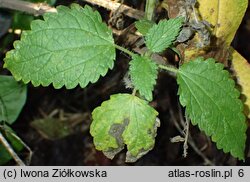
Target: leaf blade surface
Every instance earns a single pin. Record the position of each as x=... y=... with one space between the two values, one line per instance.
x=68 y=48
x=211 y=101
x=12 y=98
x=124 y=119
x=143 y=72
x=160 y=36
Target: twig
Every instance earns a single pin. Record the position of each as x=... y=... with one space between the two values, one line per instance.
x=11 y=151
x=190 y=141
x=30 y=8
x=185 y=145
x=113 y=6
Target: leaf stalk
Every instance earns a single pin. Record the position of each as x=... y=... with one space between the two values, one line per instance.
x=130 y=53
x=168 y=68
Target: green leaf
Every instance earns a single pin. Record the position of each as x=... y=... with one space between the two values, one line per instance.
x=15 y=143
x=211 y=101
x=161 y=36
x=69 y=47
x=143 y=74
x=143 y=26
x=12 y=98
x=124 y=119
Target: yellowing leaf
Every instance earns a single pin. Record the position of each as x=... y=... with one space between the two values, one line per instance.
x=224 y=15
x=124 y=119
x=242 y=72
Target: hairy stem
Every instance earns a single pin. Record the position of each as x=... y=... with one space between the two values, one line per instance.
x=185 y=145
x=168 y=68
x=190 y=141
x=134 y=92
x=124 y=50
x=130 y=53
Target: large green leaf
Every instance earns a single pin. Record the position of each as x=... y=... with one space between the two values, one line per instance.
x=124 y=119
x=162 y=35
x=69 y=47
x=211 y=101
x=12 y=98
x=143 y=74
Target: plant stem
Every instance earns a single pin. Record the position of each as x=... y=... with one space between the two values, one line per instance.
x=125 y=50
x=168 y=68
x=134 y=92
x=149 y=9
x=10 y=150
x=185 y=145
x=165 y=67
x=25 y=145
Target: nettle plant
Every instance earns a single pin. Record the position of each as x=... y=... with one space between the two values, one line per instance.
x=74 y=47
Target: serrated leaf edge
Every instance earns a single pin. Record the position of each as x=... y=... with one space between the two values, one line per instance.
x=24 y=35
x=226 y=74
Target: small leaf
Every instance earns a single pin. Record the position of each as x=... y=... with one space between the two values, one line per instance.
x=69 y=47
x=12 y=98
x=143 y=26
x=143 y=74
x=161 y=36
x=211 y=101
x=124 y=119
